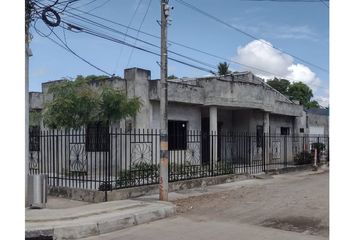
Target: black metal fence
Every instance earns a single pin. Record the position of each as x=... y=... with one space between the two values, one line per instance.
x=117 y=158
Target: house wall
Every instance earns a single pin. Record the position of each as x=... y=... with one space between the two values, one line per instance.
x=35 y=100
x=178 y=111
x=278 y=121
x=239 y=93
x=318 y=124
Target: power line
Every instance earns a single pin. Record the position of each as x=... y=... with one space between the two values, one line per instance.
x=126 y=32
x=66 y=47
x=324 y=3
x=176 y=43
x=110 y=38
x=135 y=38
x=179 y=44
x=86 y=4
x=200 y=62
x=295 y=1
x=243 y=32
x=99 y=6
x=156 y=54
x=127 y=35
x=137 y=34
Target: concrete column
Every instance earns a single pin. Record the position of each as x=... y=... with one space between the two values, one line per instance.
x=213 y=126
x=267 y=139
x=297 y=125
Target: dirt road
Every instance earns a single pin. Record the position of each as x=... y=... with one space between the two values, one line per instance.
x=292 y=202
x=288 y=206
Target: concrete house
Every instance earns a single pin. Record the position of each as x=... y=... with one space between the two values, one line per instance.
x=238 y=102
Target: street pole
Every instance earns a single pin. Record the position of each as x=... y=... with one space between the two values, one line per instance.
x=163 y=105
x=27 y=55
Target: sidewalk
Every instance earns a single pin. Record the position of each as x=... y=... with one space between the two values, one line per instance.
x=78 y=220
x=69 y=219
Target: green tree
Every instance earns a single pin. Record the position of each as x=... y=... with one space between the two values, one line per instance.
x=312 y=104
x=76 y=103
x=223 y=68
x=172 y=77
x=34 y=118
x=281 y=85
x=301 y=92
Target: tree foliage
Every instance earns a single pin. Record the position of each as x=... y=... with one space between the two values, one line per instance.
x=172 y=77
x=34 y=118
x=223 y=68
x=281 y=85
x=301 y=92
x=76 y=103
x=295 y=91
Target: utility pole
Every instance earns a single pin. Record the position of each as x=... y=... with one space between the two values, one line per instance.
x=163 y=105
x=28 y=8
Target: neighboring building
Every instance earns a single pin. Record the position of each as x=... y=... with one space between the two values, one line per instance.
x=238 y=102
x=317 y=121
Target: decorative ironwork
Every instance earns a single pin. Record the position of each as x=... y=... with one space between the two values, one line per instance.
x=192 y=154
x=78 y=157
x=33 y=160
x=141 y=153
x=230 y=151
x=276 y=149
x=296 y=146
x=256 y=152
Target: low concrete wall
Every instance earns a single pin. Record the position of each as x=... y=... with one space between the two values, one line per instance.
x=95 y=196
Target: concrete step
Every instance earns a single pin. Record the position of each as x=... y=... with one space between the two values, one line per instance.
x=94 y=219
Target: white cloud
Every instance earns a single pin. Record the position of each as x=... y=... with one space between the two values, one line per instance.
x=260 y=54
x=268 y=30
x=323 y=101
x=299 y=72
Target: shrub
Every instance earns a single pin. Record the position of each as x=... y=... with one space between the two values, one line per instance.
x=105 y=187
x=304 y=157
x=319 y=146
x=138 y=172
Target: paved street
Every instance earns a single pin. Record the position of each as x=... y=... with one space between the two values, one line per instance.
x=288 y=206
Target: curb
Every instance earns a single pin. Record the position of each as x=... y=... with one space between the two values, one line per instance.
x=87 y=228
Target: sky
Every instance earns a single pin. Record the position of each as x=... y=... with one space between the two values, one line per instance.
x=298 y=28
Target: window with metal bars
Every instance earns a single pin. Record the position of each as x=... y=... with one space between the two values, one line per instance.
x=97 y=137
x=284 y=131
x=177 y=135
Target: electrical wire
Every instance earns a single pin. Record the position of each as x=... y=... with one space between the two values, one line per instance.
x=203 y=63
x=110 y=38
x=137 y=34
x=173 y=59
x=245 y=33
x=88 y=31
x=66 y=47
x=86 y=4
x=324 y=3
x=158 y=47
x=125 y=35
x=301 y=1
x=179 y=44
x=182 y=45
x=91 y=10
x=134 y=38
